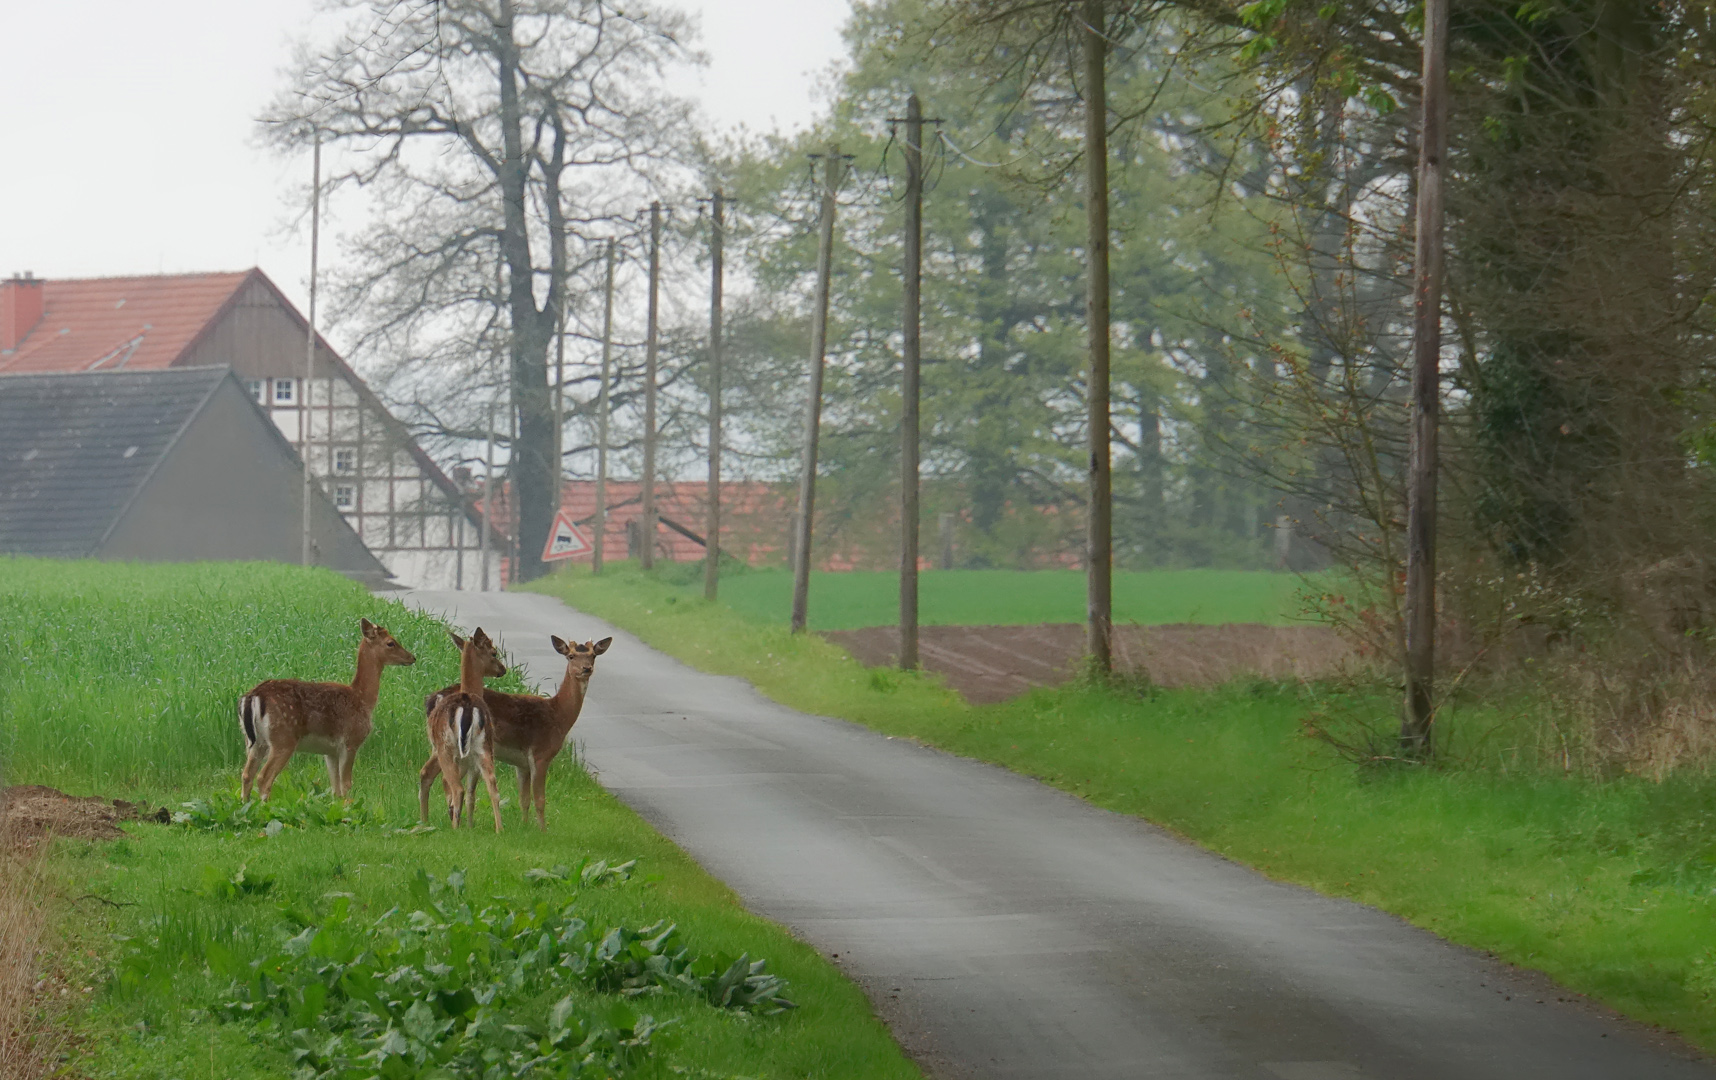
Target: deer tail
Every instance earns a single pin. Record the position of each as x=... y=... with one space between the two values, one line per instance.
x=430 y=702
x=250 y=716
x=467 y=721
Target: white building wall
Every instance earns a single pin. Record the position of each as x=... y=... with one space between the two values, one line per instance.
x=413 y=526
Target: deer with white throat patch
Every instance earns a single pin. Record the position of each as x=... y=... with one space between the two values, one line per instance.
x=529 y=731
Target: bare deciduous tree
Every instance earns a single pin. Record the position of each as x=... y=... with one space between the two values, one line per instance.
x=491 y=137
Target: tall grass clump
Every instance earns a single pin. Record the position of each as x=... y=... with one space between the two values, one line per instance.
x=126 y=676
x=27 y=1044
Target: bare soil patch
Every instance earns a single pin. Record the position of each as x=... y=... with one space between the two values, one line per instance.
x=993 y=663
x=29 y=813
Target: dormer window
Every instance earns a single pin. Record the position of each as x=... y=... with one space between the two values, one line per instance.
x=285 y=391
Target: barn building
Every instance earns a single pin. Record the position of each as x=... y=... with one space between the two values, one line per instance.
x=416 y=521
x=164 y=465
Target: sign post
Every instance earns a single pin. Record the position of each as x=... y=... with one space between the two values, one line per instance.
x=565 y=540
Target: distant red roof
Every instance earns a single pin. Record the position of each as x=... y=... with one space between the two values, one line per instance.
x=105 y=324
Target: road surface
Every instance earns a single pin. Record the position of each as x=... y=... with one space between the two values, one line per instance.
x=1005 y=929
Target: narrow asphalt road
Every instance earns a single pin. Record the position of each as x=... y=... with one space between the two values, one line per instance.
x=1005 y=929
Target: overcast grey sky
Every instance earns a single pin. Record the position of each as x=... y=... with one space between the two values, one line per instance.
x=128 y=144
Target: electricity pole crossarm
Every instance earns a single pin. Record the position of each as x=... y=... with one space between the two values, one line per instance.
x=832 y=167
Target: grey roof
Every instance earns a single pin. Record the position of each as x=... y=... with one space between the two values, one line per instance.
x=75 y=449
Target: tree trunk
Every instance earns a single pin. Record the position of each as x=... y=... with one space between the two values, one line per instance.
x=533 y=474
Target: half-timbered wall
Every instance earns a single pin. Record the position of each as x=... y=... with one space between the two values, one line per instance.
x=408 y=514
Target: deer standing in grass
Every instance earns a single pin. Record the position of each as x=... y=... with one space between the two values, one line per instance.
x=282 y=717
x=530 y=731
x=461 y=733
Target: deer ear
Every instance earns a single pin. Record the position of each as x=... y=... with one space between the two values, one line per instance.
x=368 y=627
x=602 y=646
x=458 y=641
x=560 y=646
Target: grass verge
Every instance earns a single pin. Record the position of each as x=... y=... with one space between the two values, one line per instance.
x=860 y=598
x=1607 y=886
x=230 y=946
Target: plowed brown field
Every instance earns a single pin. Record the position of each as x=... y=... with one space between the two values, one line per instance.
x=993 y=663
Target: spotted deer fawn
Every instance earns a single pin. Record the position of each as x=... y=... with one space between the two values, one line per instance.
x=529 y=731
x=461 y=733
x=282 y=717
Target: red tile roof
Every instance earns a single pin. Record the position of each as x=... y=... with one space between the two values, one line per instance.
x=104 y=324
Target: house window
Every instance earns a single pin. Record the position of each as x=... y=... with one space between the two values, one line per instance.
x=345 y=496
x=345 y=460
x=255 y=386
x=285 y=391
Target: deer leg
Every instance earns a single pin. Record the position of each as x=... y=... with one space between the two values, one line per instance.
x=348 y=756
x=448 y=766
x=426 y=780
x=253 y=759
x=333 y=763
x=487 y=762
x=525 y=772
x=279 y=756
x=540 y=784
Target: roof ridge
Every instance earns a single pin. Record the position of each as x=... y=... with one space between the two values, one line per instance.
x=147 y=277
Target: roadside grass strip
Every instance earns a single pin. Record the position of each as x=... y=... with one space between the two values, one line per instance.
x=313 y=938
x=1606 y=885
x=851 y=600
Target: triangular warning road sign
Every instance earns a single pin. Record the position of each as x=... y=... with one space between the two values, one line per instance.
x=564 y=539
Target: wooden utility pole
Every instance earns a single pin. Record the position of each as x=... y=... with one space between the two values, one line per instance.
x=599 y=525
x=560 y=399
x=831 y=169
x=1415 y=733
x=488 y=497
x=310 y=340
x=910 y=356
x=646 y=553
x=1100 y=512
x=712 y=530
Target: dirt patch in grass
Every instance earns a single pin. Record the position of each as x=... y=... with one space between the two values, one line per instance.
x=30 y=813
x=993 y=663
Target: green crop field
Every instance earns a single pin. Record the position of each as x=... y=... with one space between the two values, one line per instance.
x=327 y=940
x=850 y=600
x=1608 y=885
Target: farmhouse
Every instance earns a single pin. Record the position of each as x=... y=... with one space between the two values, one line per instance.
x=167 y=465
x=416 y=521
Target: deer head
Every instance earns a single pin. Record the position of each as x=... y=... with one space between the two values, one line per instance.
x=380 y=644
x=581 y=655
x=483 y=651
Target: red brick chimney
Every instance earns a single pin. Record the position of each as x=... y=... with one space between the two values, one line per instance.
x=20 y=309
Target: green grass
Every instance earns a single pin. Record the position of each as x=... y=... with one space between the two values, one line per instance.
x=850 y=600
x=1608 y=886
x=169 y=649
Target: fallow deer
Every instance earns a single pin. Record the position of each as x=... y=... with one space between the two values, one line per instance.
x=529 y=731
x=282 y=717
x=461 y=733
